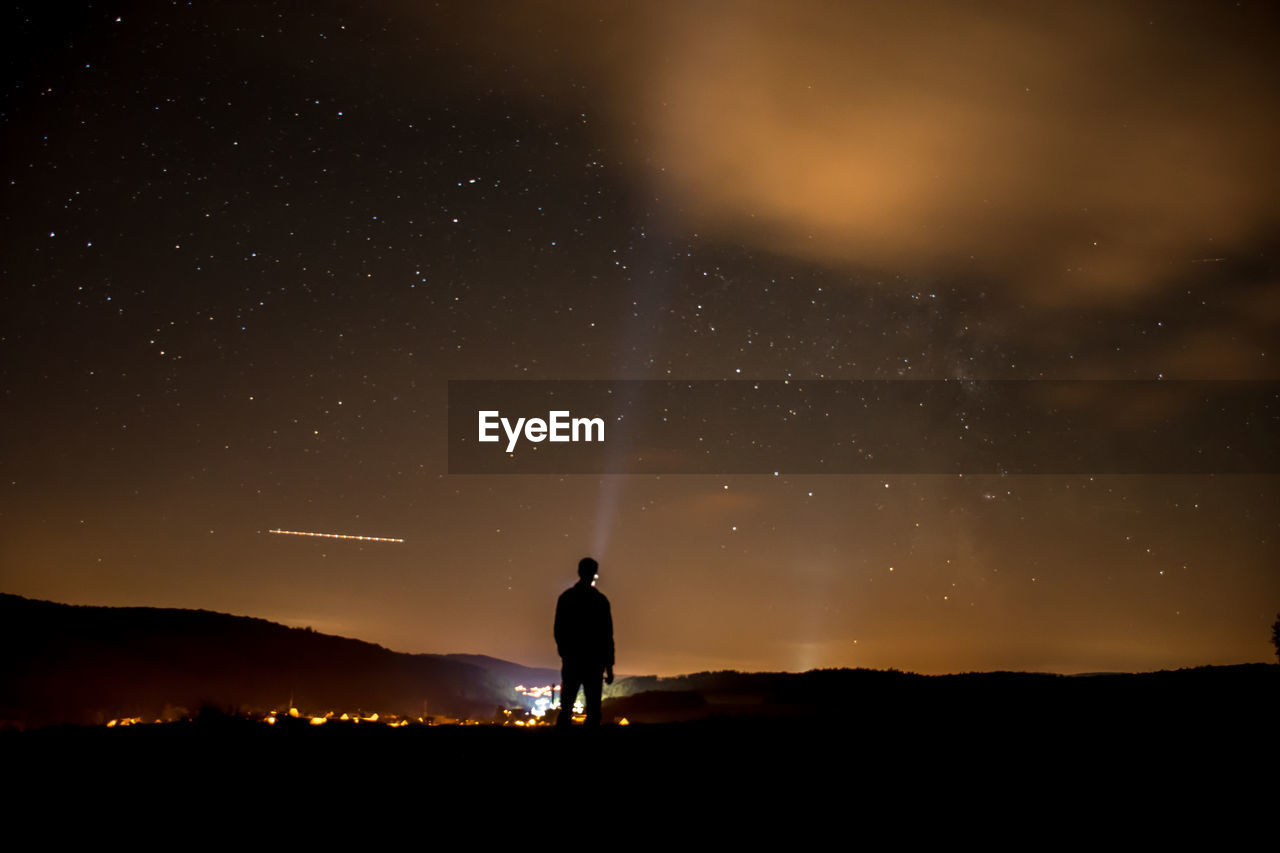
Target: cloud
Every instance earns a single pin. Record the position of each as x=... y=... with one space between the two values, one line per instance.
x=1074 y=152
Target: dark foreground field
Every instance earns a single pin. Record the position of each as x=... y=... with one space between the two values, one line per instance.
x=1001 y=766
x=879 y=757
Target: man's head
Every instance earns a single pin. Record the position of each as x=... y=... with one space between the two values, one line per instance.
x=587 y=569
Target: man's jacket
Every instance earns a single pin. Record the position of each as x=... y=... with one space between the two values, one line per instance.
x=584 y=625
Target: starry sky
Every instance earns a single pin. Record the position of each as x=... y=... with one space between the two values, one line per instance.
x=247 y=245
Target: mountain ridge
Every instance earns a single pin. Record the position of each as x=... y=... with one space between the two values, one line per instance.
x=67 y=663
x=86 y=664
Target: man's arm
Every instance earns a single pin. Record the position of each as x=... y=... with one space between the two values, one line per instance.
x=559 y=627
x=608 y=625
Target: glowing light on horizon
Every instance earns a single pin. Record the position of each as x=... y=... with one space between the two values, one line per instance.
x=516 y=717
x=334 y=535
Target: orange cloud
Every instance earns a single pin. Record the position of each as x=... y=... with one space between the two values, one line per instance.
x=1076 y=152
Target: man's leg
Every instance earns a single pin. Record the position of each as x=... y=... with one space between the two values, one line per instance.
x=570 y=679
x=592 y=686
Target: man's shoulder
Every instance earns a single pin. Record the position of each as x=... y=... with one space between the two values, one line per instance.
x=581 y=593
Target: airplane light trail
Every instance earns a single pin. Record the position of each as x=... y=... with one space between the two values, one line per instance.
x=334 y=535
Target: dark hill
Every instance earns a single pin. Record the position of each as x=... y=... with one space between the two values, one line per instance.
x=65 y=663
x=1242 y=695
x=508 y=673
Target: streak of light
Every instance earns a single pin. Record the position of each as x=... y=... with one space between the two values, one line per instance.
x=334 y=535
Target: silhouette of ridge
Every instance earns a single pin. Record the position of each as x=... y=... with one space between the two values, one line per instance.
x=1238 y=693
x=62 y=663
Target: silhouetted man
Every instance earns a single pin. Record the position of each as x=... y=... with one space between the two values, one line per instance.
x=584 y=639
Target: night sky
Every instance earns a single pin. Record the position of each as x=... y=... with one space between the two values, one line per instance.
x=247 y=245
